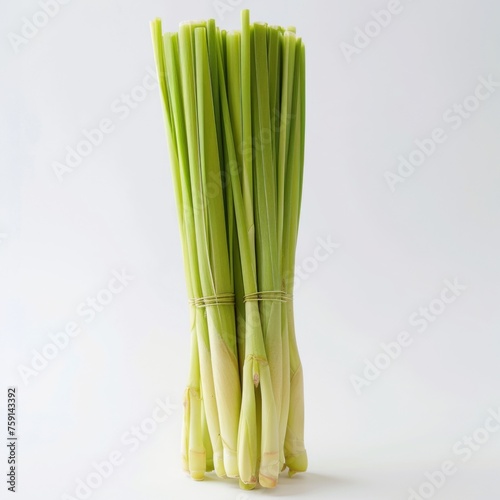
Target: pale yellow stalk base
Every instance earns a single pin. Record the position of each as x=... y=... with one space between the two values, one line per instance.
x=247 y=432
x=269 y=457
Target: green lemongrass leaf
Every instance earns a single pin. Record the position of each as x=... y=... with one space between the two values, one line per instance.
x=189 y=100
x=181 y=172
x=273 y=62
x=211 y=181
x=231 y=64
x=244 y=238
x=213 y=47
x=268 y=271
x=222 y=41
x=234 y=91
x=302 y=119
x=226 y=185
x=286 y=115
x=293 y=168
x=246 y=144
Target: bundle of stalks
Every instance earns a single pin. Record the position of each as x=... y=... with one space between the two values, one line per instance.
x=234 y=106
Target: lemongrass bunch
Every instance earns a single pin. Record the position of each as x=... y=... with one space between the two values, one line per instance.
x=234 y=105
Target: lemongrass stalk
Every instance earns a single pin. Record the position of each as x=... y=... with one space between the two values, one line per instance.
x=280 y=55
x=232 y=64
x=295 y=453
x=288 y=44
x=268 y=264
x=239 y=156
x=211 y=235
x=217 y=41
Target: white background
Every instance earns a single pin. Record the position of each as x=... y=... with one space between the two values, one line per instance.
x=61 y=241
